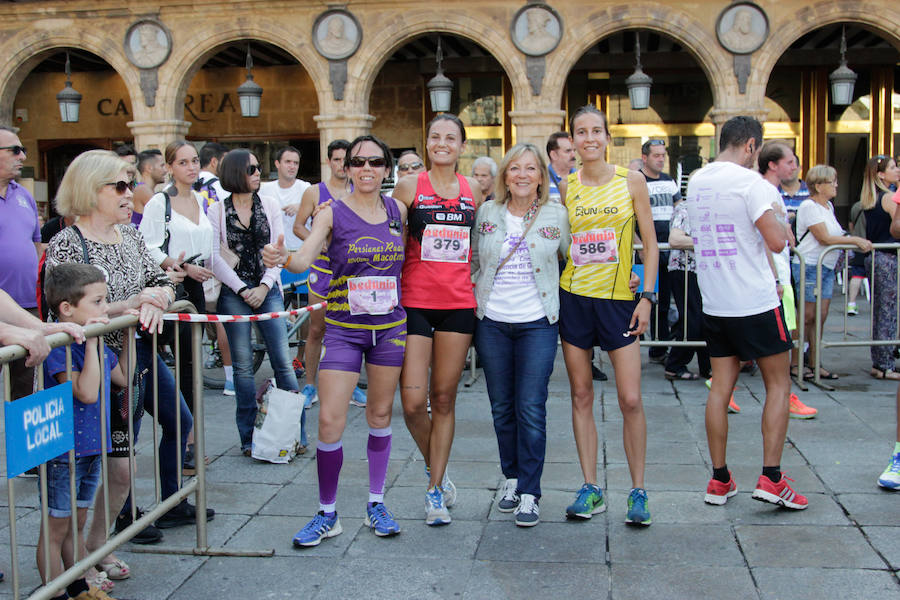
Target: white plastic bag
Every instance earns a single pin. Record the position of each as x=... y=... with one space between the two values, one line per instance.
x=276 y=434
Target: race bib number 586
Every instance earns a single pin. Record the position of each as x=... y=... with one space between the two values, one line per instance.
x=597 y=246
x=445 y=243
x=372 y=295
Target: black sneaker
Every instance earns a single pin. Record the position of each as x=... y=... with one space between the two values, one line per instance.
x=189 y=461
x=183 y=514
x=597 y=374
x=149 y=535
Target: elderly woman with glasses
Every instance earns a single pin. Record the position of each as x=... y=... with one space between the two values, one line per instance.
x=817 y=227
x=243 y=223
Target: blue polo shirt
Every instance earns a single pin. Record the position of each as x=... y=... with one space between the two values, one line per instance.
x=19 y=231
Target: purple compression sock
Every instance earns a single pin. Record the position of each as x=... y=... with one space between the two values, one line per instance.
x=378 y=451
x=329 y=458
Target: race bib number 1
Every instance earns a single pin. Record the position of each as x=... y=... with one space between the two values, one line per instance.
x=445 y=243
x=372 y=295
x=594 y=247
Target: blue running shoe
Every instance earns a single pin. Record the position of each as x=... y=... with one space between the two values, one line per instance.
x=381 y=520
x=317 y=529
x=890 y=479
x=436 y=512
x=309 y=394
x=358 y=398
x=229 y=388
x=638 y=508
x=588 y=502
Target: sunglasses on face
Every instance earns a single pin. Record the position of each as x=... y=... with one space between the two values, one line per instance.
x=121 y=186
x=16 y=150
x=374 y=161
x=251 y=169
x=410 y=166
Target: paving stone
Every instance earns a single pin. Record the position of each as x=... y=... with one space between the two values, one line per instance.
x=571 y=542
x=804 y=546
x=665 y=582
x=672 y=544
x=397 y=578
x=271 y=578
x=886 y=540
x=490 y=580
x=459 y=539
x=877 y=508
x=814 y=584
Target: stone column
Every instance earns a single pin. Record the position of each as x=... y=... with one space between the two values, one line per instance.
x=535 y=126
x=335 y=127
x=157 y=133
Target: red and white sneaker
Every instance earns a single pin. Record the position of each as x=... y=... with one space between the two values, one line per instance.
x=779 y=493
x=798 y=410
x=718 y=493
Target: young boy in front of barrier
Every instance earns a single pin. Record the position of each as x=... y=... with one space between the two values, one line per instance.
x=77 y=294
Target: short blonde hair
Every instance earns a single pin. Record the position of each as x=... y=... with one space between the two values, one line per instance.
x=819 y=174
x=88 y=173
x=515 y=153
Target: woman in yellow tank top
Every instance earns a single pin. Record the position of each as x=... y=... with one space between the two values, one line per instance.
x=597 y=308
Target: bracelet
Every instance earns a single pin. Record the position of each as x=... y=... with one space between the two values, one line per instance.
x=288 y=261
x=777 y=282
x=241 y=291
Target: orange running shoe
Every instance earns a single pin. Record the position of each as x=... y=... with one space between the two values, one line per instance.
x=801 y=411
x=718 y=493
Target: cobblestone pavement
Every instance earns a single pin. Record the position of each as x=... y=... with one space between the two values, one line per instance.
x=845 y=545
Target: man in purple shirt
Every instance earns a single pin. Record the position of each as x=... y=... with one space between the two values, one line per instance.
x=20 y=240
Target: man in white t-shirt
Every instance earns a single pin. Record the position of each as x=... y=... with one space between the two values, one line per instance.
x=288 y=190
x=733 y=226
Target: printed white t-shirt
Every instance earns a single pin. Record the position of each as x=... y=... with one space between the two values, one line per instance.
x=286 y=196
x=811 y=213
x=781 y=259
x=724 y=202
x=514 y=295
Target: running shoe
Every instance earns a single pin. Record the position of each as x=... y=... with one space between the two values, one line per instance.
x=381 y=520
x=890 y=479
x=229 y=388
x=309 y=394
x=299 y=371
x=718 y=493
x=358 y=398
x=527 y=512
x=851 y=309
x=436 y=512
x=509 y=498
x=319 y=528
x=779 y=493
x=732 y=405
x=449 y=489
x=588 y=502
x=799 y=410
x=638 y=508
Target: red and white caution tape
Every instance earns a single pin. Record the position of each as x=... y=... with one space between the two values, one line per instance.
x=195 y=318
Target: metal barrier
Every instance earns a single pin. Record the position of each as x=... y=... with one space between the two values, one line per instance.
x=194 y=486
x=845 y=343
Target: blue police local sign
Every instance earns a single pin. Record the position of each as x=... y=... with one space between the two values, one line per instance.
x=38 y=427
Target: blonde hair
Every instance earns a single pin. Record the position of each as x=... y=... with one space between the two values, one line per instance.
x=515 y=153
x=871 y=182
x=88 y=173
x=819 y=174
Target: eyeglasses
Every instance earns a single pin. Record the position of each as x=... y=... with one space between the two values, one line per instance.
x=16 y=150
x=360 y=161
x=122 y=186
x=251 y=169
x=410 y=166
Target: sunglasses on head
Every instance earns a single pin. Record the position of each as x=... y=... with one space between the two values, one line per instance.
x=410 y=166
x=121 y=186
x=374 y=161
x=251 y=169
x=16 y=150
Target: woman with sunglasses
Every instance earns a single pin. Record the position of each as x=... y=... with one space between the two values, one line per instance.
x=242 y=224
x=597 y=308
x=185 y=233
x=97 y=188
x=364 y=318
x=879 y=182
x=439 y=302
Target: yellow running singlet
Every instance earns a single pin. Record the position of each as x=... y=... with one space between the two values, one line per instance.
x=602 y=223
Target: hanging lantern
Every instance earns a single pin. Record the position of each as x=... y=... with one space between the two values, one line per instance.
x=68 y=99
x=440 y=88
x=843 y=78
x=638 y=83
x=250 y=93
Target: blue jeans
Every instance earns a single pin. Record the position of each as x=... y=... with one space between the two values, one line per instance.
x=517 y=359
x=274 y=334
x=87 y=480
x=167 y=397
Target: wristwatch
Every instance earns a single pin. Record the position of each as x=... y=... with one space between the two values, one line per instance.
x=651 y=296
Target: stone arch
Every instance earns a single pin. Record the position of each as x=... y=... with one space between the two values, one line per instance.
x=584 y=32
x=814 y=17
x=398 y=30
x=32 y=46
x=181 y=68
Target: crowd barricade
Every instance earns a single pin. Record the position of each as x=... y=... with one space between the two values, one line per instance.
x=845 y=341
x=182 y=312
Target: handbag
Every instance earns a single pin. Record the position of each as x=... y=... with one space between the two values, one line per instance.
x=212 y=287
x=276 y=431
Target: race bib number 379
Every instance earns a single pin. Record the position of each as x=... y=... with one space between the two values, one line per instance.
x=372 y=295
x=445 y=243
x=594 y=247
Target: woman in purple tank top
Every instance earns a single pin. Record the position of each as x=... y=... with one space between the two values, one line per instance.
x=364 y=318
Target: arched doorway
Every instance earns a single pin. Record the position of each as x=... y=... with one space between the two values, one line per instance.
x=288 y=104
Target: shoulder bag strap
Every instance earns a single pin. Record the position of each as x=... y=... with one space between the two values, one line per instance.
x=165 y=244
x=84 y=248
x=519 y=243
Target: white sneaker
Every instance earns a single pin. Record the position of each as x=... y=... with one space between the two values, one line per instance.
x=890 y=479
x=527 y=513
x=449 y=489
x=509 y=499
x=436 y=512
